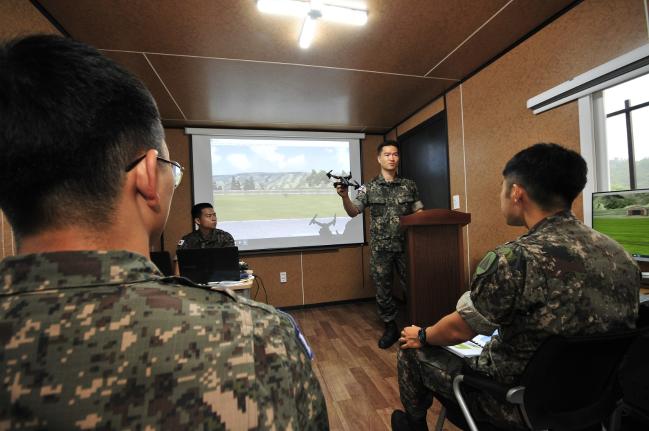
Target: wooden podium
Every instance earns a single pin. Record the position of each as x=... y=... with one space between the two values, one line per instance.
x=435 y=259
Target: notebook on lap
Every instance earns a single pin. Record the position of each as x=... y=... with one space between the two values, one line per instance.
x=208 y=265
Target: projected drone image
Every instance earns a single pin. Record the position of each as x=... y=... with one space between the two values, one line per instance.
x=274 y=189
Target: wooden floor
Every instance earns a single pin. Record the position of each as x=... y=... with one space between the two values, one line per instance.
x=358 y=379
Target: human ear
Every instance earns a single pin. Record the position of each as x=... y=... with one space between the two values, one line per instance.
x=146 y=181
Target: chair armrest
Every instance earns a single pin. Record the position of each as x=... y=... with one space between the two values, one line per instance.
x=486 y=384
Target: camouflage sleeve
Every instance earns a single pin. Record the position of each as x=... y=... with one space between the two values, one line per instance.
x=498 y=282
x=286 y=367
x=472 y=317
x=228 y=240
x=360 y=200
x=417 y=204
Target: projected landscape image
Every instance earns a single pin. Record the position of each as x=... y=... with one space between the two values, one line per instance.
x=625 y=218
x=266 y=189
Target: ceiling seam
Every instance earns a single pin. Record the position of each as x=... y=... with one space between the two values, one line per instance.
x=284 y=64
x=470 y=36
x=164 y=85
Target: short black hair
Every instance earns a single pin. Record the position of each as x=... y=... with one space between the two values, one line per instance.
x=387 y=143
x=552 y=175
x=197 y=209
x=72 y=119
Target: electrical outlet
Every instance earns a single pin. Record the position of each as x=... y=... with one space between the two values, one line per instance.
x=282 y=277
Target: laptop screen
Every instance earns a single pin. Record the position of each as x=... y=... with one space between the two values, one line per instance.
x=207 y=265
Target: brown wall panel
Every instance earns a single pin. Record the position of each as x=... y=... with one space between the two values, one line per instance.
x=269 y=266
x=334 y=275
x=456 y=156
x=19 y=17
x=497 y=123
x=7 y=241
x=488 y=121
x=179 y=222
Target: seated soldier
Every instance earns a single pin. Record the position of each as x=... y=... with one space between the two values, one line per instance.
x=206 y=235
x=561 y=277
x=92 y=336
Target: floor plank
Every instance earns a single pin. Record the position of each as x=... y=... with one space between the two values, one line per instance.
x=359 y=380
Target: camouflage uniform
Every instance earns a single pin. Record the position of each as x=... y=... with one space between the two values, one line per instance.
x=387 y=201
x=560 y=278
x=217 y=238
x=102 y=340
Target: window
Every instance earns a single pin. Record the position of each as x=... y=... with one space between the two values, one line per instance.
x=626 y=144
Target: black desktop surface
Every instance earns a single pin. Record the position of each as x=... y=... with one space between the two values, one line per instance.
x=208 y=265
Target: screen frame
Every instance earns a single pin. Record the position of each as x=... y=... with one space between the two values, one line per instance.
x=201 y=182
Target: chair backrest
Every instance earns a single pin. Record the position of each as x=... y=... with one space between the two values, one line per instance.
x=634 y=376
x=162 y=260
x=571 y=382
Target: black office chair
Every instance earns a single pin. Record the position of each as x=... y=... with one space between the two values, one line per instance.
x=571 y=383
x=632 y=411
x=162 y=260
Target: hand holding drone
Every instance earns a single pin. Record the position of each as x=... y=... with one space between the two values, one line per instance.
x=344 y=181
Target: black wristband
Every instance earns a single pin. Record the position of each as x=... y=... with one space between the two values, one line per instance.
x=422 y=337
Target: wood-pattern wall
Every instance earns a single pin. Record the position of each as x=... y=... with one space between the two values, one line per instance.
x=488 y=121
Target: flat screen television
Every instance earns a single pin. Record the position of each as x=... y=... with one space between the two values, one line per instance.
x=624 y=216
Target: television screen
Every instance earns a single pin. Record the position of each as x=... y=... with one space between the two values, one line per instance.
x=624 y=216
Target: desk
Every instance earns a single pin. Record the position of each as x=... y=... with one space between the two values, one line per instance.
x=241 y=287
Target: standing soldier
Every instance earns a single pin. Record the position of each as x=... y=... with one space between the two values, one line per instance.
x=388 y=196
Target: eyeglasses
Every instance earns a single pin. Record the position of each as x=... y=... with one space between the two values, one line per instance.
x=176 y=168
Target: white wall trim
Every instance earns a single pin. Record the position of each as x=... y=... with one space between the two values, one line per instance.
x=242 y=133
x=466 y=188
x=592 y=141
x=302 y=276
x=587 y=147
x=646 y=15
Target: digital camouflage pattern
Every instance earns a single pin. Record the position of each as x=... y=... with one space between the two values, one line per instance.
x=382 y=266
x=387 y=201
x=102 y=340
x=217 y=239
x=560 y=278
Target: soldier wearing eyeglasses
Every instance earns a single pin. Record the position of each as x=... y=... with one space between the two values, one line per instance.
x=92 y=335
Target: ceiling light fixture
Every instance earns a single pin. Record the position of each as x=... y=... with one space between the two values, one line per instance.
x=311 y=11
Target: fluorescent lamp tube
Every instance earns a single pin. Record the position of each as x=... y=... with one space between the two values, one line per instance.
x=344 y=15
x=308 y=30
x=284 y=7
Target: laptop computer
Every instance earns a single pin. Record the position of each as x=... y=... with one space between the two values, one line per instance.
x=208 y=265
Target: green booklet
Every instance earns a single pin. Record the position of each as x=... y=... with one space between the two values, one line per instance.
x=472 y=347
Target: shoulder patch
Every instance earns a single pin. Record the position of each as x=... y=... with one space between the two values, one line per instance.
x=487 y=263
x=298 y=334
